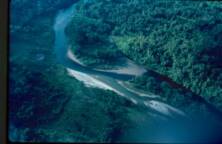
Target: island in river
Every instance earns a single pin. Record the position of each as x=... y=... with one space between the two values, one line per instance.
x=79 y=73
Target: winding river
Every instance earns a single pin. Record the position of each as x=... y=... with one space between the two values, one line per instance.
x=115 y=81
x=102 y=79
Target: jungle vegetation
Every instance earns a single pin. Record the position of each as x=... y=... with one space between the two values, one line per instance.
x=179 y=39
x=47 y=105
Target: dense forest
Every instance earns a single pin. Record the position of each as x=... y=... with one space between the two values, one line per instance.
x=178 y=39
x=44 y=101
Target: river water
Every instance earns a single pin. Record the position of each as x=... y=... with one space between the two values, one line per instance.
x=109 y=79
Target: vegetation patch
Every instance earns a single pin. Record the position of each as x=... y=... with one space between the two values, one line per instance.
x=179 y=39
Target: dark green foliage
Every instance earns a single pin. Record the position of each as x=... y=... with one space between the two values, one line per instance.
x=35 y=96
x=171 y=37
x=179 y=39
x=47 y=105
x=89 y=38
x=184 y=100
x=38 y=99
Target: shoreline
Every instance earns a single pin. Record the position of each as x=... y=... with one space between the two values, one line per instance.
x=131 y=68
x=92 y=82
x=140 y=93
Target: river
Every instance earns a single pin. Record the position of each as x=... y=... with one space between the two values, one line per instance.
x=102 y=79
x=110 y=80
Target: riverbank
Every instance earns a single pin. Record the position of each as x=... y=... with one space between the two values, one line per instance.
x=138 y=91
x=91 y=81
x=48 y=104
x=168 y=37
x=129 y=67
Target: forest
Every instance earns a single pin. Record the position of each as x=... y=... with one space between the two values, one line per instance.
x=178 y=39
x=45 y=101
